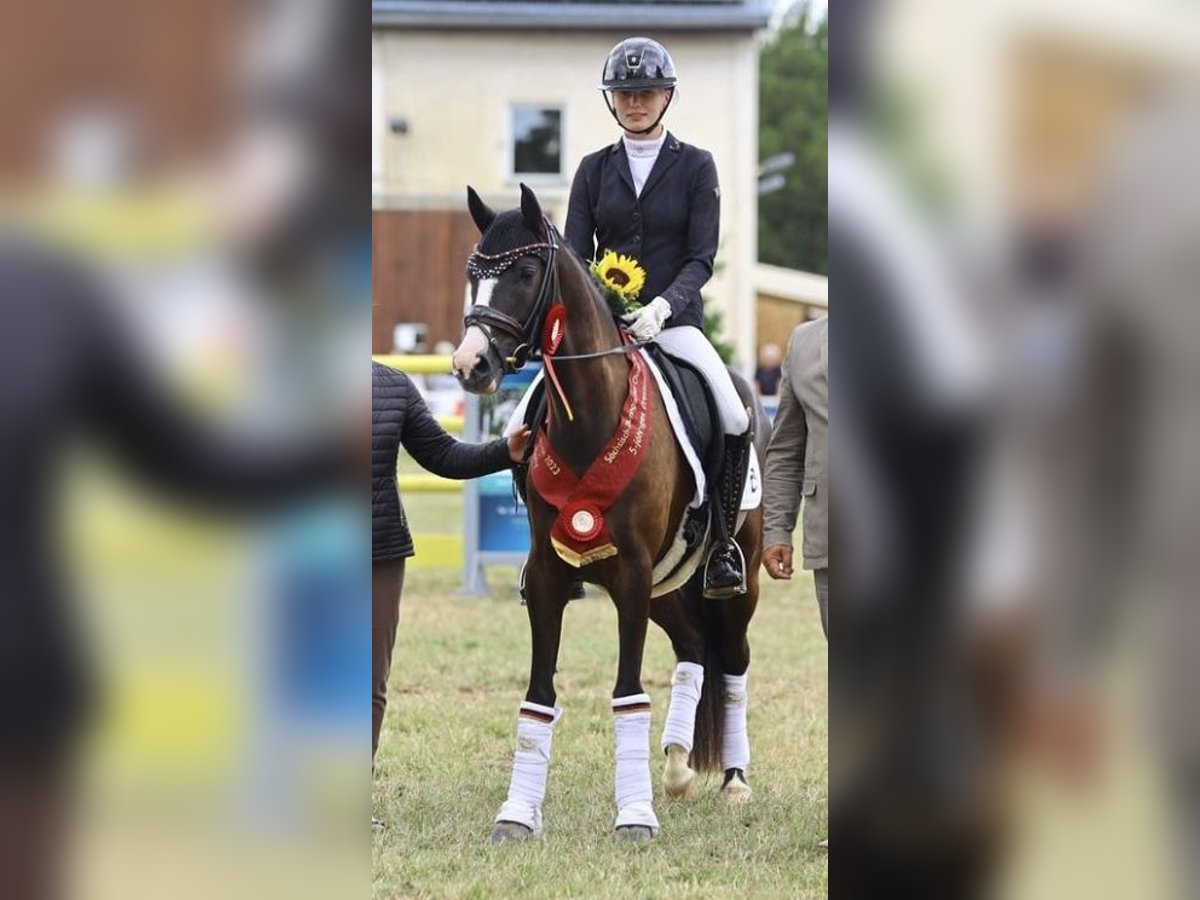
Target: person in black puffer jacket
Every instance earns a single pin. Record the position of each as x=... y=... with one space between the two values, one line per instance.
x=399 y=416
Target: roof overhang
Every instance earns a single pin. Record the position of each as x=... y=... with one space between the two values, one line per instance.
x=791 y=284
x=747 y=15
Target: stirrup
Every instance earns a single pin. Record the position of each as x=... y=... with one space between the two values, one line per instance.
x=712 y=592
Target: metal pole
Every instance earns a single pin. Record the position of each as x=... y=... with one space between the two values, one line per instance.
x=474 y=583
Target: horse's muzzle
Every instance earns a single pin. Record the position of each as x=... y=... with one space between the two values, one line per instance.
x=483 y=378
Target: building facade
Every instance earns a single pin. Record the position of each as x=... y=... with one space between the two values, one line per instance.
x=494 y=94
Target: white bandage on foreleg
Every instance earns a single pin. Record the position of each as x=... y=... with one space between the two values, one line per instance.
x=686 y=685
x=633 y=793
x=735 y=744
x=531 y=765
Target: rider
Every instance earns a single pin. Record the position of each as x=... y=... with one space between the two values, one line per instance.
x=655 y=198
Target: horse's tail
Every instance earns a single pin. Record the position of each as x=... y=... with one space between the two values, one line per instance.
x=710 y=713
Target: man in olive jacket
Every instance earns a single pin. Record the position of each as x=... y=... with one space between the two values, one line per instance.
x=796 y=462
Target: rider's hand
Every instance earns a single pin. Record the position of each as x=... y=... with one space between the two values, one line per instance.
x=778 y=562
x=648 y=321
x=517 y=442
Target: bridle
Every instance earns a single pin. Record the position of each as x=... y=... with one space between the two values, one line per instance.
x=527 y=334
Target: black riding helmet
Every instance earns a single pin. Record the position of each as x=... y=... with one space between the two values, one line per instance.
x=638 y=64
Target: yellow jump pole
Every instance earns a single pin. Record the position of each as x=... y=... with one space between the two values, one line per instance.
x=416 y=363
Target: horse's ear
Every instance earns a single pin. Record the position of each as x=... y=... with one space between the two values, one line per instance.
x=480 y=212
x=531 y=210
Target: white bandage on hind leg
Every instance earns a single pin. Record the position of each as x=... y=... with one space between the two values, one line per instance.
x=531 y=766
x=735 y=744
x=633 y=793
x=686 y=685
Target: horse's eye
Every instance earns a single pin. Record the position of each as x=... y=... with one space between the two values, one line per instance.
x=527 y=274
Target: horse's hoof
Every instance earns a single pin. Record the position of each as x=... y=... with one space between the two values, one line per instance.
x=507 y=832
x=685 y=789
x=634 y=834
x=678 y=778
x=735 y=791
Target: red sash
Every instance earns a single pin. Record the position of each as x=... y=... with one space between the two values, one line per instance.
x=580 y=534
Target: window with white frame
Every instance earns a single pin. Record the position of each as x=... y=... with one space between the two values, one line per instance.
x=536 y=149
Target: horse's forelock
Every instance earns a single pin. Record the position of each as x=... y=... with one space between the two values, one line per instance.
x=500 y=246
x=508 y=232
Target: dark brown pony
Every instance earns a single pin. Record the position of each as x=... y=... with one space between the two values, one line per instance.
x=519 y=270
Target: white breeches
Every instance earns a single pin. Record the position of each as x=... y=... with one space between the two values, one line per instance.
x=688 y=343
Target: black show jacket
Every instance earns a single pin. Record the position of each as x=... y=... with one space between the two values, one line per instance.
x=671 y=229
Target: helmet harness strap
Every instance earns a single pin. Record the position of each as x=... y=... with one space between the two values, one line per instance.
x=613 y=110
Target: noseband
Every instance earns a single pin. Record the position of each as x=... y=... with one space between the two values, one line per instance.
x=489 y=320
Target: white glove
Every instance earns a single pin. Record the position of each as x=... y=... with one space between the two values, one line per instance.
x=648 y=321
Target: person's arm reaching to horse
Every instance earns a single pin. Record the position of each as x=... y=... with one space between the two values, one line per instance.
x=441 y=453
x=166 y=444
x=783 y=475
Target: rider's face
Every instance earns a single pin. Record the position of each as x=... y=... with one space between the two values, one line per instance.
x=637 y=110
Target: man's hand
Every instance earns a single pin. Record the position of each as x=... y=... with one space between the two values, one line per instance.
x=778 y=562
x=648 y=321
x=517 y=441
x=1066 y=732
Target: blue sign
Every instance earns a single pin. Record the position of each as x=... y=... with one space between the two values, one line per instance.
x=503 y=518
x=495 y=521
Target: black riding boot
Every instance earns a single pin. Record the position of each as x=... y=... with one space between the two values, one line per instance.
x=725 y=569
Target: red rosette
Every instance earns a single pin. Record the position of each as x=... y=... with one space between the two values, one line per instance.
x=554 y=328
x=582 y=521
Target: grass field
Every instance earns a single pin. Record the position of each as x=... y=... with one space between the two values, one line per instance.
x=460 y=670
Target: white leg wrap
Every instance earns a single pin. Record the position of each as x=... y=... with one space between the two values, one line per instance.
x=531 y=765
x=735 y=745
x=634 y=795
x=681 y=714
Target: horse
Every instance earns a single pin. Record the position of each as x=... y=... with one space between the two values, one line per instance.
x=531 y=295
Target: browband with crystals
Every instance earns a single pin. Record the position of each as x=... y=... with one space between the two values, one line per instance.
x=491 y=265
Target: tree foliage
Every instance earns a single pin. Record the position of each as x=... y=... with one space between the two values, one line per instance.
x=714 y=329
x=793 y=110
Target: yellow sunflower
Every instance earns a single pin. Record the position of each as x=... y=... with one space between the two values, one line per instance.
x=619 y=275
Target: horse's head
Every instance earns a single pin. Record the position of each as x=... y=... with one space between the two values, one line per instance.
x=511 y=273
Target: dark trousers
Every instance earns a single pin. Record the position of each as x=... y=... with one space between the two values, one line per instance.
x=821 y=581
x=37 y=791
x=387 y=580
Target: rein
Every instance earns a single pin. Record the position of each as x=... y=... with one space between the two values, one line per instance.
x=612 y=351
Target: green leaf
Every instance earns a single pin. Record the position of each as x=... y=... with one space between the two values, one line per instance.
x=793 y=116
